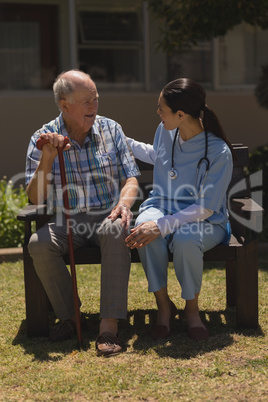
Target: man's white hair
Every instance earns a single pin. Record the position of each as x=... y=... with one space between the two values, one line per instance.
x=64 y=84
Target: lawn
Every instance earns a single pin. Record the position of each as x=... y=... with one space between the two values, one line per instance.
x=231 y=366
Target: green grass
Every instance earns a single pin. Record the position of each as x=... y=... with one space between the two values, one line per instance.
x=230 y=366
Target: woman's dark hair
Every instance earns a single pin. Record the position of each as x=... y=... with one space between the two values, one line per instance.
x=190 y=97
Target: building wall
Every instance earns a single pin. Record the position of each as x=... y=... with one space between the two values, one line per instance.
x=23 y=113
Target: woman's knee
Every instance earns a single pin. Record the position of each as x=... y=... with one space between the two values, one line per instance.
x=184 y=243
x=149 y=214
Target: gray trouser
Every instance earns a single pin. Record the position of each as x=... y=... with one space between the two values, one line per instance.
x=50 y=243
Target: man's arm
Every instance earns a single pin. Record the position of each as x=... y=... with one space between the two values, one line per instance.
x=127 y=198
x=38 y=188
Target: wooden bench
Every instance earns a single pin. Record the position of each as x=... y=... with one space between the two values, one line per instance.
x=240 y=256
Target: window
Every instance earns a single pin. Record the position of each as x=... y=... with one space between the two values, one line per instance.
x=195 y=64
x=229 y=62
x=110 y=46
x=242 y=52
x=28 y=46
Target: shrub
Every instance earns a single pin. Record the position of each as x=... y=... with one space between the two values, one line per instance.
x=12 y=200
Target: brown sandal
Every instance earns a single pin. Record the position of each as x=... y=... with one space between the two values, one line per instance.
x=108 y=345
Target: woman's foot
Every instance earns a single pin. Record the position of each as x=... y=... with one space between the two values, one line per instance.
x=196 y=328
x=198 y=333
x=165 y=317
x=193 y=319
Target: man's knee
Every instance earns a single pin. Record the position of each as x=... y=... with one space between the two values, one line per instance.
x=34 y=246
x=112 y=230
x=38 y=245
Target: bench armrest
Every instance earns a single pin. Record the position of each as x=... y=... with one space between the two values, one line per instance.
x=248 y=205
x=246 y=218
x=32 y=212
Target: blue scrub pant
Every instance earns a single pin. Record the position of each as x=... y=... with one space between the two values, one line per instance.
x=187 y=244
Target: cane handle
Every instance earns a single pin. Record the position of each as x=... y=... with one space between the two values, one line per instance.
x=42 y=141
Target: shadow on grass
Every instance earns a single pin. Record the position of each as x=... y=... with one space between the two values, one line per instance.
x=135 y=332
x=221 y=325
x=44 y=350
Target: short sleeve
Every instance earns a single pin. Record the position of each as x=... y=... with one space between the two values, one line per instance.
x=126 y=163
x=32 y=158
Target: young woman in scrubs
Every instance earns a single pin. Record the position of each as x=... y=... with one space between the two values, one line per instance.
x=186 y=210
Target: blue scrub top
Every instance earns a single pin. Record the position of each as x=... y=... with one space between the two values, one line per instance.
x=192 y=185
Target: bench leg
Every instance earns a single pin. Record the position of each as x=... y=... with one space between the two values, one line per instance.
x=35 y=299
x=247 y=285
x=230 y=283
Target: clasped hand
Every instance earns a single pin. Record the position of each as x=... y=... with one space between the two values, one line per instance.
x=142 y=235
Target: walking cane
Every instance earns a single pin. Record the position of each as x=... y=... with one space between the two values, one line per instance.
x=40 y=144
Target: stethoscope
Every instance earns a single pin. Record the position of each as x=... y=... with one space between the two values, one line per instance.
x=173 y=174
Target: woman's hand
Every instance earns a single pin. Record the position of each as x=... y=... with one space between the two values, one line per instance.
x=142 y=235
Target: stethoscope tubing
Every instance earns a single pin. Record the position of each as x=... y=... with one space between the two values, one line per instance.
x=173 y=174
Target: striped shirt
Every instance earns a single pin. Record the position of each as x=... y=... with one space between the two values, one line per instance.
x=93 y=171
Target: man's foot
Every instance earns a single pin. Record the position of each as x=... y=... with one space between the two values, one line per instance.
x=108 y=345
x=66 y=329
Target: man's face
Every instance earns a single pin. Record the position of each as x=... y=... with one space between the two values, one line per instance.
x=81 y=107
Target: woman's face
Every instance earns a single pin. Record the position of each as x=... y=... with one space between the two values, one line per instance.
x=169 y=119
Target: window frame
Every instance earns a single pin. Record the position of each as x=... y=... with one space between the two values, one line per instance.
x=141 y=45
x=47 y=16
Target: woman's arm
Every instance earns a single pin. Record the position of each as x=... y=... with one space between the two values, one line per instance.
x=142 y=151
x=194 y=213
x=146 y=232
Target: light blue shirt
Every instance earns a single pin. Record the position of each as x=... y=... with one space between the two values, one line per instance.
x=191 y=186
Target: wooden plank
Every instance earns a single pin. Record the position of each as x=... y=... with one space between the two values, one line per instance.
x=92 y=255
x=247 y=285
x=242 y=156
x=31 y=212
x=231 y=276
x=35 y=300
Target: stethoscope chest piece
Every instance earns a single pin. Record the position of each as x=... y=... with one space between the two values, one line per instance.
x=173 y=174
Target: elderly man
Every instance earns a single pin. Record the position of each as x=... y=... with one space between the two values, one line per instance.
x=101 y=187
